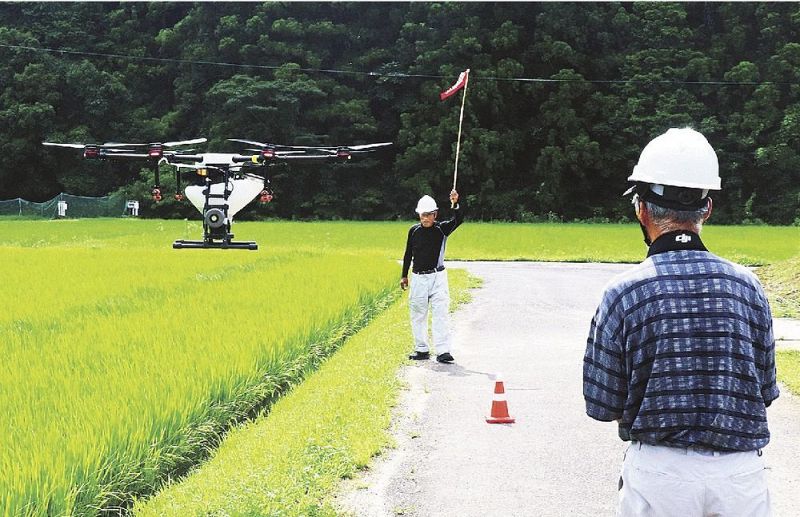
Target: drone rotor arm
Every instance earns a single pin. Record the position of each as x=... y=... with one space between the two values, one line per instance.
x=126 y=154
x=285 y=153
x=175 y=159
x=307 y=157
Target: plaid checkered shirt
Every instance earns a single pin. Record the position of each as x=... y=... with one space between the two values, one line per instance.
x=681 y=351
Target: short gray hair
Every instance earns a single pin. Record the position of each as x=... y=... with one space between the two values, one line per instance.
x=664 y=217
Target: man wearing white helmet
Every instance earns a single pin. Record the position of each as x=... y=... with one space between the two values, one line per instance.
x=425 y=247
x=681 y=352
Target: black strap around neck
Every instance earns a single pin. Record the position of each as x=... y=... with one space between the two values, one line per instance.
x=675 y=241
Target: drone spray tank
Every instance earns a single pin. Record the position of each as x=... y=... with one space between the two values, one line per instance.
x=218 y=198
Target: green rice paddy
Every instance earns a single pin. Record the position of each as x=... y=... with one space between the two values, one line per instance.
x=122 y=365
x=125 y=361
x=749 y=245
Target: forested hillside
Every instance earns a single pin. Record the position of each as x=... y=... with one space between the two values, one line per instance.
x=561 y=98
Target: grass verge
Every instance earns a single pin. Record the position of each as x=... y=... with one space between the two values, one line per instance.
x=789 y=369
x=290 y=461
x=782 y=283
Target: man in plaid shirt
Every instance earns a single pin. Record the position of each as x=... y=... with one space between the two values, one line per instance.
x=681 y=352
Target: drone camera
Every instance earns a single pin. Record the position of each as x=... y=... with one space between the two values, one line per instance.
x=265 y=196
x=91 y=152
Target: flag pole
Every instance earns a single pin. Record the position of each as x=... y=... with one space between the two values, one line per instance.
x=458 y=141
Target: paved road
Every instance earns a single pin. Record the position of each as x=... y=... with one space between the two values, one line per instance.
x=528 y=323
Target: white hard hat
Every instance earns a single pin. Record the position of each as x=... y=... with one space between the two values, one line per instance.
x=678 y=158
x=426 y=204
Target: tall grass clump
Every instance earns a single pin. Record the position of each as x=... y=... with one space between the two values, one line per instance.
x=123 y=366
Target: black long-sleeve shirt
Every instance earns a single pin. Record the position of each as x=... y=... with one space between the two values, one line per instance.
x=425 y=246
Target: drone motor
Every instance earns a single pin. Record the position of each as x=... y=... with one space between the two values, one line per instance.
x=155 y=151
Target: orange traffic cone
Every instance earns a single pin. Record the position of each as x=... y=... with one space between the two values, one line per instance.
x=499 y=405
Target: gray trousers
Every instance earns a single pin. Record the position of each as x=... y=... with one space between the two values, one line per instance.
x=430 y=290
x=666 y=481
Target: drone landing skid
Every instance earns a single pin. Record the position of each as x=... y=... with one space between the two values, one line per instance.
x=210 y=244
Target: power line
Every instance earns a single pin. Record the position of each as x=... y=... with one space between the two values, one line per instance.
x=213 y=63
x=400 y=75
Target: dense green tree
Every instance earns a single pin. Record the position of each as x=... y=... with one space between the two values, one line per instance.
x=601 y=80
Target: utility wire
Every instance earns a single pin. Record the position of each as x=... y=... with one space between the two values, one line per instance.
x=214 y=63
x=390 y=74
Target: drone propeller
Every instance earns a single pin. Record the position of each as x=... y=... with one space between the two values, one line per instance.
x=73 y=146
x=251 y=142
x=177 y=143
x=185 y=142
x=279 y=150
x=95 y=150
x=281 y=147
x=116 y=150
x=277 y=153
x=115 y=145
x=366 y=147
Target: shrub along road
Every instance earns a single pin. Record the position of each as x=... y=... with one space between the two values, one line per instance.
x=529 y=323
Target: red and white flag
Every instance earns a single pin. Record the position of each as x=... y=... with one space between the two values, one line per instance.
x=462 y=81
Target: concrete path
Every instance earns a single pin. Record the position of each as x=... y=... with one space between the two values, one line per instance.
x=529 y=323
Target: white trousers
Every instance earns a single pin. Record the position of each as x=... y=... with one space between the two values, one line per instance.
x=676 y=482
x=431 y=289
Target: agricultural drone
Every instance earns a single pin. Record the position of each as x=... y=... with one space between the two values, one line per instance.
x=224 y=183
